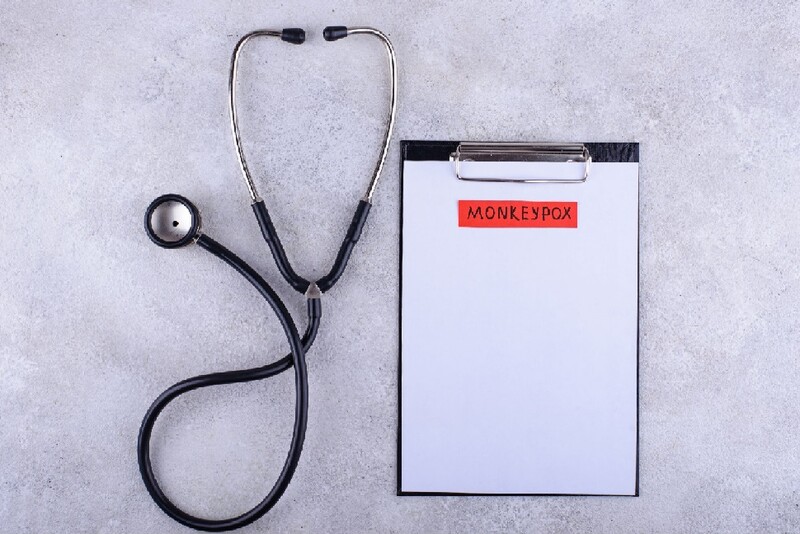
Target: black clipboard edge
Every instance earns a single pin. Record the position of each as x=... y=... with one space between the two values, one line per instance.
x=441 y=150
x=413 y=150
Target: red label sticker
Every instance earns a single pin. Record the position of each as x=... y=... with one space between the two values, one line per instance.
x=517 y=214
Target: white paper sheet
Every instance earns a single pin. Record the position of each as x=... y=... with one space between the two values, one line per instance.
x=519 y=345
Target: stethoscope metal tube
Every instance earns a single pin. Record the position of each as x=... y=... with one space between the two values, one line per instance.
x=290 y=35
x=298 y=36
x=172 y=221
x=333 y=33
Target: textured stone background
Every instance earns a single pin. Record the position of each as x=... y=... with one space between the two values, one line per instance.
x=105 y=106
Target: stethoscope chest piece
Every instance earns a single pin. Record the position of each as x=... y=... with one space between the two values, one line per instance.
x=171 y=221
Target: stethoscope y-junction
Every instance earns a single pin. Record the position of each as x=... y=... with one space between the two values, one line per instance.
x=172 y=221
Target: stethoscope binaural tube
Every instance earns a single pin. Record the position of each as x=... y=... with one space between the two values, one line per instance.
x=300 y=284
x=172 y=221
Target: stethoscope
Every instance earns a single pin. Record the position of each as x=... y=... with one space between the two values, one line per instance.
x=171 y=221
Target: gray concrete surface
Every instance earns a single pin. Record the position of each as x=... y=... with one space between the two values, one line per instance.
x=106 y=105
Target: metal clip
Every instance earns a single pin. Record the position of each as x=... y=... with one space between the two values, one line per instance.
x=522 y=152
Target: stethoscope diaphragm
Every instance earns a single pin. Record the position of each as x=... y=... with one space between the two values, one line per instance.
x=171 y=221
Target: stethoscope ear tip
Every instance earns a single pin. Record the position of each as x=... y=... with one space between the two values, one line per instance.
x=293 y=35
x=334 y=33
x=171 y=221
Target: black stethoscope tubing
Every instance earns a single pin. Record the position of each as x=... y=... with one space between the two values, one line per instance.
x=296 y=359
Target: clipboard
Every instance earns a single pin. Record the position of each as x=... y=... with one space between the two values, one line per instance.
x=519 y=319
